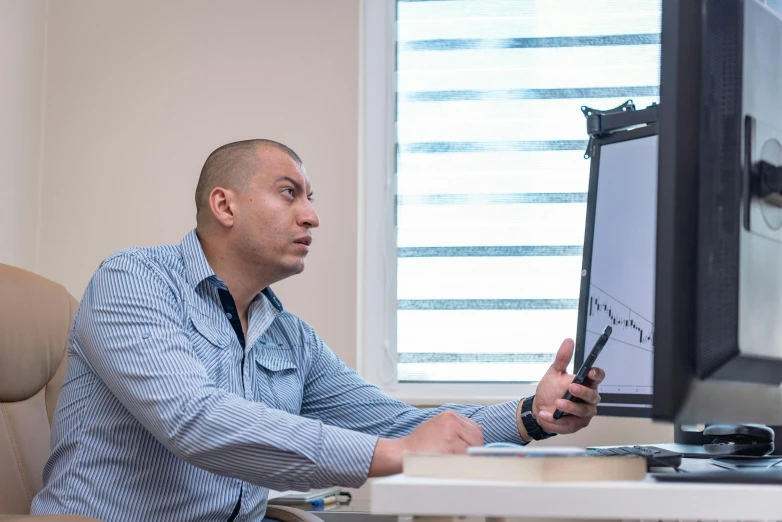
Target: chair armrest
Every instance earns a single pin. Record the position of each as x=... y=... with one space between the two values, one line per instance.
x=45 y=518
x=290 y=514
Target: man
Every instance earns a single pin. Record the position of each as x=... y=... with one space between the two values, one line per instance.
x=190 y=390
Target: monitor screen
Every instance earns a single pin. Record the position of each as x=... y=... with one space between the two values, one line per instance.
x=619 y=269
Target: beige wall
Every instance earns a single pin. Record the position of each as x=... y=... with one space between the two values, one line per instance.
x=139 y=93
x=22 y=42
x=610 y=431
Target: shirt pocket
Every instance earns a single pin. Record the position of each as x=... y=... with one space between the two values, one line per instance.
x=209 y=345
x=278 y=379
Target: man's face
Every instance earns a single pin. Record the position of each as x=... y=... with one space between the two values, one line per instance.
x=274 y=219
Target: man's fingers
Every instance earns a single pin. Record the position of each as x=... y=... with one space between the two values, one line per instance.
x=464 y=429
x=595 y=377
x=586 y=394
x=564 y=354
x=460 y=447
x=578 y=409
x=473 y=433
x=569 y=424
x=471 y=437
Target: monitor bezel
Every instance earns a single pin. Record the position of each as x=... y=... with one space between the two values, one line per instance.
x=612 y=404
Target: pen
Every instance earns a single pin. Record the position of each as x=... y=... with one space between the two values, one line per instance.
x=324 y=501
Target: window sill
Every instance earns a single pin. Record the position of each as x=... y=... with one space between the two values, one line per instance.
x=435 y=401
x=437 y=394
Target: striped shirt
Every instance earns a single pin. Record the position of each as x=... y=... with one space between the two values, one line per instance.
x=159 y=419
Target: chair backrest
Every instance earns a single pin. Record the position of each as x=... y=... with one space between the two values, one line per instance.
x=35 y=318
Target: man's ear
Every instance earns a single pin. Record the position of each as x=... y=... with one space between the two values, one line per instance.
x=221 y=203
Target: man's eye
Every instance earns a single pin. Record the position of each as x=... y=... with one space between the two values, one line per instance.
x=288 y=191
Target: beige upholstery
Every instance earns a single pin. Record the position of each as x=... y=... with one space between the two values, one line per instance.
x=35 y=317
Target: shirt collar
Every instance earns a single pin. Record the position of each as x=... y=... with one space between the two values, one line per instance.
x=272 y=298
x=197 y=268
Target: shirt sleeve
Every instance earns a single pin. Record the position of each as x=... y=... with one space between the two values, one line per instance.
x=131 y=330
x=337 y=395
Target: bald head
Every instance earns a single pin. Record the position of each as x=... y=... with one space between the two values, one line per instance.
x=232 y=166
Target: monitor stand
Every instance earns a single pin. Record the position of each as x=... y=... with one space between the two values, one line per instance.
x=725 y=469
x=690 y=435
x=688 y=451
x=689 y=441
x=746 y=463
x=725 y=476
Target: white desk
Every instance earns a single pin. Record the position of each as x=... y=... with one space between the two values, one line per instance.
x=641 y=500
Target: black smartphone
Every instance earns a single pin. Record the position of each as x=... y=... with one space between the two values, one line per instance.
x=587 y=365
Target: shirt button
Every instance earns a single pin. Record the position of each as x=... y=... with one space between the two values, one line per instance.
x=229 y=316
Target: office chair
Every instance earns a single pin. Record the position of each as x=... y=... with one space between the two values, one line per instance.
x=35 y=318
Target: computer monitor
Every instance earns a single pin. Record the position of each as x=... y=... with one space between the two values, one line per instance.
x=718 y=297
x=618 y=270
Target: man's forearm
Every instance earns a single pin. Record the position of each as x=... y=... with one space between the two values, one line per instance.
x=387 y=459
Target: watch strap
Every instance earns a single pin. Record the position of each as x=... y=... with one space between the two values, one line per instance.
x=530 y=423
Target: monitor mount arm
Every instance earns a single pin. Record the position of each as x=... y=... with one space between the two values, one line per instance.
x=762 y=166
x=601 y=124
x=766 y=182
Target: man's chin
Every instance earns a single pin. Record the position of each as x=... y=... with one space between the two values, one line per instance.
x=294 y=268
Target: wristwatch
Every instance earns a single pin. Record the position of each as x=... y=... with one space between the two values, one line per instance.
x=530 y=424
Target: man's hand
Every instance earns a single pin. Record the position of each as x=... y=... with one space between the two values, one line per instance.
x=554 y=384
x=448 y=432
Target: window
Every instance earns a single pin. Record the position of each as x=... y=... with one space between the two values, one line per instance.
x=487 y=199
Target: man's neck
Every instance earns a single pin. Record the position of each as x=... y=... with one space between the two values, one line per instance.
x=244 y=284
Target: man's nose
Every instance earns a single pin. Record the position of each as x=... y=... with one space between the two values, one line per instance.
x=309 y=218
